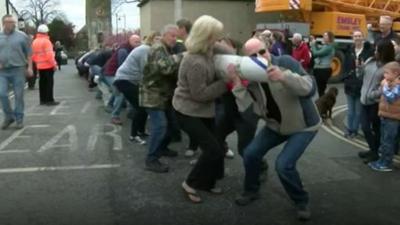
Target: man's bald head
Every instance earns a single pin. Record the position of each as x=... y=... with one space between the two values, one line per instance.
x=252 y=46
x=134 y=40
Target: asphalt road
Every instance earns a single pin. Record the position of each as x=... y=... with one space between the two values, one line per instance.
x=70 y=166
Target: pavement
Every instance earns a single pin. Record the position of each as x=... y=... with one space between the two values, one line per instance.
x=70 y=166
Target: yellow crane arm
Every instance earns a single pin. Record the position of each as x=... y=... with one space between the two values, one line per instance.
x=368 y=7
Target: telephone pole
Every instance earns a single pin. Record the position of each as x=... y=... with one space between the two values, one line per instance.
x=178 y=9
x=7 y=7
x=116 y=26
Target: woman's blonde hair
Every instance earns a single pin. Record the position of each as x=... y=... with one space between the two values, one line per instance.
x=204 y=28
x=149 y=40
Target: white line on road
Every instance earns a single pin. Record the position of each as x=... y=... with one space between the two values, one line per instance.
x=337 y=112
x=58 y=108
x=329 y=130
x=29 y=112
x=67 y=97
x=15 y=151
x=60 y=168
x=17 y=134
x=72 y=144
x=339 y=134
x=86 y=107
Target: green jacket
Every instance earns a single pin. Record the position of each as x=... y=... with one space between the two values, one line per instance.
x=159 y=77
x=323 y=56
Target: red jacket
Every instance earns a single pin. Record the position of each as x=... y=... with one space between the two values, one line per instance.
x=302 y=54
x=116 y=60
x=43 y=54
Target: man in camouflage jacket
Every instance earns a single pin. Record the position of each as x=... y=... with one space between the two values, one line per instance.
x=155 y=94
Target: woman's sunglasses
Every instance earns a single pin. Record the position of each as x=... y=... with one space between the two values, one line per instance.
x=261 y=52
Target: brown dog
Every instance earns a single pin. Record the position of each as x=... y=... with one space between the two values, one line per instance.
x=326 y=102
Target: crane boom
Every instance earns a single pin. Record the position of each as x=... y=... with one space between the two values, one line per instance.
x=368 y=7
x=371 y=8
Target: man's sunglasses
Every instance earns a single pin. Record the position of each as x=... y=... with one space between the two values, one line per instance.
x=261 y=52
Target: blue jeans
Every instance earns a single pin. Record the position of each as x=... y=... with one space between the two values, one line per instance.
x=389 y=135
x=285 y=164
x=353 y=114
x=117 y=98
x=95 y=70
x=15 y=77
x=160 y=131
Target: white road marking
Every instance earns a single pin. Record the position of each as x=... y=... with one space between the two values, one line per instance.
x=72 y=138
x=66 y=97
x=58 y=108
x=327 y=129
x=339 y=133
x=96 y=132
x=60 y=168
x=30 y=113
x=341 y=107
x=15 y=135
x=34 y=114
x=337 y=111
x=86 y=107
x=13 y=151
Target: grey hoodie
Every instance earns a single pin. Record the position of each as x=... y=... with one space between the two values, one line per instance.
x=372 y=75
x=132 y=68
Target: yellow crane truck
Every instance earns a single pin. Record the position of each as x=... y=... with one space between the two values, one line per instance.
x=342 y=17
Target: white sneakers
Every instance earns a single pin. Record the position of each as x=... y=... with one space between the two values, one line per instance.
x=189 y=153
x=137 y=139
x=96 y=79
x=229 y=154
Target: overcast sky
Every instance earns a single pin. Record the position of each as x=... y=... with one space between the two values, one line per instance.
x=75 y=11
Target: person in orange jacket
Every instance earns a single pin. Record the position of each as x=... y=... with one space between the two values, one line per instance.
x=43 y=56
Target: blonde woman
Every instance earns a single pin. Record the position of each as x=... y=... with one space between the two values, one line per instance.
x=193 y=100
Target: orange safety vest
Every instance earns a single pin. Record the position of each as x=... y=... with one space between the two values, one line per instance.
x=43 y=54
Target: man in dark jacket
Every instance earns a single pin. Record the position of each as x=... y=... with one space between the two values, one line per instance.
x=96 y=62
x=360 y=52
x=385 y=26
